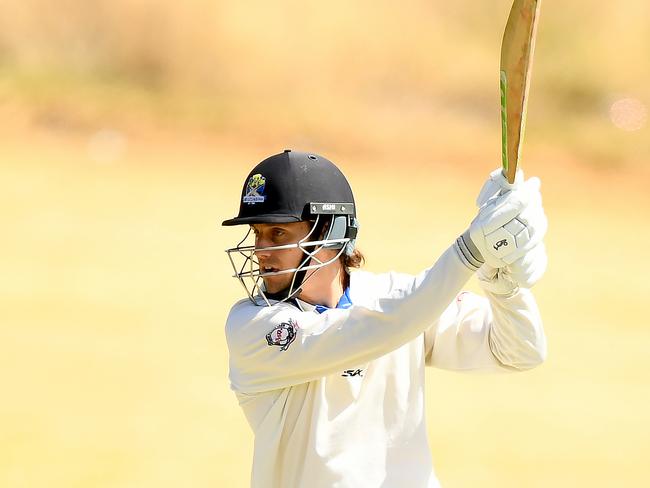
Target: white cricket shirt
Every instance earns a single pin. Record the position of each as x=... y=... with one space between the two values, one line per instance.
x=336 y=400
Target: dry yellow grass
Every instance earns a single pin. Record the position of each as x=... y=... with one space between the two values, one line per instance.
x=115 y=288
x=336 y=72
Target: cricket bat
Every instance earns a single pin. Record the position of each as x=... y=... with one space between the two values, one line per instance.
x=517 y=51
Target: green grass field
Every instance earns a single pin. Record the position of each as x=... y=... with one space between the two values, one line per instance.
x=115 y=289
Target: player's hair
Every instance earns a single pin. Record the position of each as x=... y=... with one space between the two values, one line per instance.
x=350 y=261
x=355 y=260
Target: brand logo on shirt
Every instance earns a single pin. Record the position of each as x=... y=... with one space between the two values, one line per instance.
x=282 y=335
x=255 y=190
x=348 y=373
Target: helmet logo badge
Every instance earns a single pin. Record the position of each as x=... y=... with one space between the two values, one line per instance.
x=255 y=190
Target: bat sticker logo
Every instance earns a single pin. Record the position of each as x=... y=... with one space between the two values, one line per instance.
x=282 y=335
x=500 y=244
x=255 y=190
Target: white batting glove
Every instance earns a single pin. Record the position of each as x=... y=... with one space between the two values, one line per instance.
x=529 y=269
x=524 y=272
x=497 y=183
x=510 y=222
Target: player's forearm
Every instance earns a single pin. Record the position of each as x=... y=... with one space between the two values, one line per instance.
x=516 y=335
x=360 y=334
x=410 y=315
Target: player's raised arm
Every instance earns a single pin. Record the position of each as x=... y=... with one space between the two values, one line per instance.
x=504 y=330
x=279 y=346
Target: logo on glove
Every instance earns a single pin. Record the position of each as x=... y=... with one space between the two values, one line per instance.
x=500 y=244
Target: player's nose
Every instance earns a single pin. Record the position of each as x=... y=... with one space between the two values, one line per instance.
x=260 y=250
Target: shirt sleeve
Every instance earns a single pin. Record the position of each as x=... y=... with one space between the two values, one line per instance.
x=492 y=333
x=279 y=346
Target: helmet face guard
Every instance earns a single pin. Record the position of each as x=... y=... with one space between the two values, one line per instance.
x=251 y=276
x=293 y=187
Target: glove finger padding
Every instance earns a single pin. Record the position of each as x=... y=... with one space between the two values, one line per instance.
x=501 y=209
x=497 y=183
x=529 y=269
x=529 y=229
x=523 y=273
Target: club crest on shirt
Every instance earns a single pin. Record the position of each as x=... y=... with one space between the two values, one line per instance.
x=283 y=335
x=255 y=190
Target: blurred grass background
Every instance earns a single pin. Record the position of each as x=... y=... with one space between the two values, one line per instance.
x=127 y=129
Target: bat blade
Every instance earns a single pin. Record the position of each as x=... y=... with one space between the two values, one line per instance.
x=517 y=51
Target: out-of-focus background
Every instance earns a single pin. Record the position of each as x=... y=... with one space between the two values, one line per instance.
x=128 y=127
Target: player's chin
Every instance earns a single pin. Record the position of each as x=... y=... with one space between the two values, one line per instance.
x=275 y=284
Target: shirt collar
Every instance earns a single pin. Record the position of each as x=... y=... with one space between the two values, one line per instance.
x=344 y=302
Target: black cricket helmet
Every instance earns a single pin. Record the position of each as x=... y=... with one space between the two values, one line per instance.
x=293 y=187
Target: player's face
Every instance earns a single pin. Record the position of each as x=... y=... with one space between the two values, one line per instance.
x=269 y=235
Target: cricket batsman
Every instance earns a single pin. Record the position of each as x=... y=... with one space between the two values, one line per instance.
x=328 y=363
